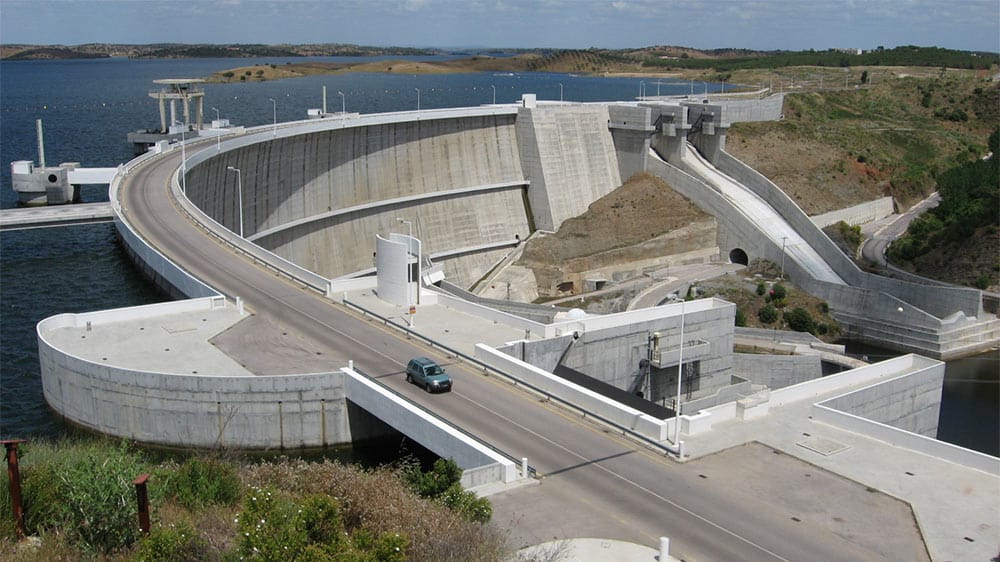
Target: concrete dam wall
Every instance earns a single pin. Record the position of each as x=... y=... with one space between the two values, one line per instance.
x=319 y=198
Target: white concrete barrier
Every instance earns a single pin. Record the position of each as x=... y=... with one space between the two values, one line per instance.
x=587 y=400
x=480 y=464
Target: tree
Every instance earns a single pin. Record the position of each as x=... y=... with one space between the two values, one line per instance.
x=800 y=320
x=768 y=314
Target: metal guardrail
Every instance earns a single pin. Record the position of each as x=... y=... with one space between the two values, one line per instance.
x=628 y=432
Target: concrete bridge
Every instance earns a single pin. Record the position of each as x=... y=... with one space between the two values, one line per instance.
x=315 y=196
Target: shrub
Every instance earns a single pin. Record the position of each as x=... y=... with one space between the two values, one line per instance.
x=761 y=288
x=97 y=499
x=983 y=281
x=768 y=314
x=799 y=320
x=442 y=484
x=824 y=307
x=203 y=482
x=778 y=292
x=176 y=543
x=741 y=319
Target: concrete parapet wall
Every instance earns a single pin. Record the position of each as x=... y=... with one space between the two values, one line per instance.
x=591 y=402
x=911 y=402
x=896 y=437
x=482 y=464
x=862 y=375
x=858 y=214
x=568 y=155
x=192 y=410
x=777 y=371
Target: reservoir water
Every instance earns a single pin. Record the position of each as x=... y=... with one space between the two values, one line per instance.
x=89 y=106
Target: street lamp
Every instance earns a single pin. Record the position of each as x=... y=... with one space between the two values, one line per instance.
x=783 y=238
x=560 y=92
x=183 y=162
x=343 y=103
x=680 y=371
x=274 y=117
x=642 y=89
x=239 y=189
x=494 y=94
x=409 y=270
x=418 y=99
x=218 y=136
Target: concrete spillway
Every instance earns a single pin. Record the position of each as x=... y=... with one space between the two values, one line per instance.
x=771 y=224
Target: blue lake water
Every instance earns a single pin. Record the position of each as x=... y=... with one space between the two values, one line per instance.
x=89 y=106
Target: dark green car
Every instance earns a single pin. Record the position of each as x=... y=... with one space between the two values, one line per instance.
x=428 y=374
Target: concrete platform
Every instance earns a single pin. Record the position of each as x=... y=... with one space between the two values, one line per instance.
x=957 y=509
x=56 y=215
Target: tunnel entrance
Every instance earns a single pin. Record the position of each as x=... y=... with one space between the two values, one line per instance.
x=737 y=255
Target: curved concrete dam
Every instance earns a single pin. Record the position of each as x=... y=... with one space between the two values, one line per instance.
x=318 y=195
x=474 y=182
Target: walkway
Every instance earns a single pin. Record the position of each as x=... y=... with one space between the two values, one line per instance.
x=55 y=215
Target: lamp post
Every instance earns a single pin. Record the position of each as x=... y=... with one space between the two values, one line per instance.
x=783 y=238
x=494 y=94
x=218 y=136
x=409 y=270
x=680 y=371
x=642 y=89
x=183 y=162
x=239 y=189
x=560 y=92
x=274 y=117
x=418 y=99
x=343 y=103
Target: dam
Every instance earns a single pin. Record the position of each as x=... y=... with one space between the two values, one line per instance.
x=290 y=368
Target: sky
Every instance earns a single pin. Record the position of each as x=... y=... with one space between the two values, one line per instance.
x=614 y=24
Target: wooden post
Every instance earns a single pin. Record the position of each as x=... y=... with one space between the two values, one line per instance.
x=14 y=476
x=142 y=499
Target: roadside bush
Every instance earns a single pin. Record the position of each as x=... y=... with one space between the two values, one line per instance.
x=442 y=484
x=768 y=314
x=741 y=319
x=799 y=320
x=761 y=289
x=96 y=498
x=174 y=543
x=983 y=281
x=202 y=482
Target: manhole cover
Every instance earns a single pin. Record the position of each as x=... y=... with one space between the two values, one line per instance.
x=825 y=447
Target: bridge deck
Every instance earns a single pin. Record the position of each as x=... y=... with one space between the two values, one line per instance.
x=61 y=215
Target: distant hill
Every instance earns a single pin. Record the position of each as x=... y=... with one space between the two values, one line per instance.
x=177 y=50
x=50 y=53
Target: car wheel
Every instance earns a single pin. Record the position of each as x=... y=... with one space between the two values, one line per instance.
x=427 y=387
x=409 y=378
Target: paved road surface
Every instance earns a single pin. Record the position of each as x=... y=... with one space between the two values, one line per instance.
x=588 y=472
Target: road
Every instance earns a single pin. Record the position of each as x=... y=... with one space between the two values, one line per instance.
x=586 y=470
x=875 y=246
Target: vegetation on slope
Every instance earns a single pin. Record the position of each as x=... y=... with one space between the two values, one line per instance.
x=959 y=240
x=80 y=505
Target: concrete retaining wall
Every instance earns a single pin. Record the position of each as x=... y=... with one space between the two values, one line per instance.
x=777 y=371
x=911 y=403
x=858 y=214
x=591 y=402
x=568 y=155
x=192 y=410
x=764 y=109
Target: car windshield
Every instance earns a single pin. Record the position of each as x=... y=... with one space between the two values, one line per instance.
x=434 y=370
